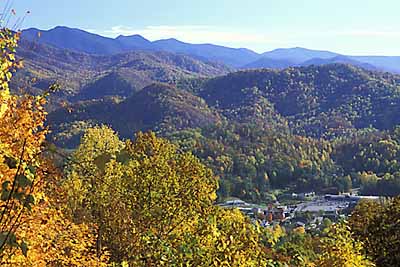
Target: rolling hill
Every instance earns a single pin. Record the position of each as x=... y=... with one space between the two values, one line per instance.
x=157 y=107
x=85 y=76
x=339 y=59
x=304 y=128
x=316 y=101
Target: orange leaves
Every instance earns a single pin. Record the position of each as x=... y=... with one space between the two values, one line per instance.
x=23 y=122
x=53 y=240
x=34 y=231
x=21 y=137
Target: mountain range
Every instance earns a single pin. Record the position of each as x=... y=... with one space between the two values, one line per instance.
x=82 y=41
x=307 y=121
x=315 y=101
x=84 y=76
x=239 y=58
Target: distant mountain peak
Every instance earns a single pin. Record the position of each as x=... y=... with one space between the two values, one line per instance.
x=138 y=36
x=171 y=40
x=69 y=29
x=82 y=41
x=298 y=55
x=62 y=27
x=134 y=42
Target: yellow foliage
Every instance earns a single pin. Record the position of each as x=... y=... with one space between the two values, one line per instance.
x=230 y=240
x=53 y=240
x=154 y=204
x=338 y=248
x=299 y=230
x=273 y=234
x=34 y=232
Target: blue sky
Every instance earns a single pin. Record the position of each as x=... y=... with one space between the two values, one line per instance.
x=357 y=27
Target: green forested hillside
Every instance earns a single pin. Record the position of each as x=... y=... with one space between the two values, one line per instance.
x=156 y=107
x=265 y=129
x=319 y=101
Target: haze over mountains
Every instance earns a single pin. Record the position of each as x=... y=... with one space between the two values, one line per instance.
x=82 y=41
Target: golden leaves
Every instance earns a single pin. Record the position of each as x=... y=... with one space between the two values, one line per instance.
x=339 y=248
x=43 y=235
x=154 y=204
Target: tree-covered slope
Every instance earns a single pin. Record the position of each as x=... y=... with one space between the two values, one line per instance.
x=316 y=100
x=298 y=128
x=157 y=107
x=97 y=76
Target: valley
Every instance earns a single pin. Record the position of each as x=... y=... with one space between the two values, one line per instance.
x=325 y=128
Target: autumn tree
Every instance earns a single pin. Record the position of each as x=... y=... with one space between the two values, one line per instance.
x=90 y=193
x=339 y=248
x=33 y=229
x=21 y=136
x=377 y=225
x=154 y=204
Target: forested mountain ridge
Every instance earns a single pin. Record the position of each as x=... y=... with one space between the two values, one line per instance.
x=265 y=129
x=147 y=201
x=257 y=129
x=84 y=76
x=82 y=41
x=156 y=107
x=298 y=55
x=317 y=101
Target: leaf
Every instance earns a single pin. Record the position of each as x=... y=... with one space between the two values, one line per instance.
x=5 y=193
x=102 y=160
x=24 y=248
x=29 y=201
x=23 y=180
x=11 y=162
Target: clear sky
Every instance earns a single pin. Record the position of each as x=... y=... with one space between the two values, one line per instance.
x=357 y=27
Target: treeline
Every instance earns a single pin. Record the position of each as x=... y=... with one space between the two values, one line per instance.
x=252 y=160
x=328 y=128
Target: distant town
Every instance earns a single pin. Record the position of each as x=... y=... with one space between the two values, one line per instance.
x=307 y=210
